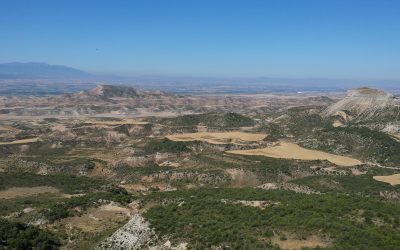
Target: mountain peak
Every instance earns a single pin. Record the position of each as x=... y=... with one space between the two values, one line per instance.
x=109 y=91
x=366 y=91
x=40 y=69
x=363 y=103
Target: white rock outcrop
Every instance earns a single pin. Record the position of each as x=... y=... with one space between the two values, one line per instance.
x=136 y=234
x=363 y=103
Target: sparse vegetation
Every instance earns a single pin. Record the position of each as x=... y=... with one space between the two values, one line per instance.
x=76 y=205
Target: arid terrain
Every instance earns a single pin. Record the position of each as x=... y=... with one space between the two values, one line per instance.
x=116 y=167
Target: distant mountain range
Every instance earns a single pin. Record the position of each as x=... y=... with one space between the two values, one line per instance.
x=43 y=78
x=39 y=70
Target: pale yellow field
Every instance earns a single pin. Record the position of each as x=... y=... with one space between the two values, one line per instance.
x=391 y=179
x=337 y=123
x=397 y=136
x=122 y=122
x=292 y=151
x=293 y=243
x=98 y=219
x=218 y=137
x=23 y=141
x=16 y=192
x=7 y=128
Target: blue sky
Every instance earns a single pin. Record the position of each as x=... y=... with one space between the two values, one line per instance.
x=215 y=38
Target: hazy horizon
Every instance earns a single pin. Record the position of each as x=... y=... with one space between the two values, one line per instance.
x=355 y=40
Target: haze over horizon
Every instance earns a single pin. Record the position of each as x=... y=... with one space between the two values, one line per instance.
x=355 y=40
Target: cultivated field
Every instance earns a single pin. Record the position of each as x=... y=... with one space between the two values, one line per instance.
x=16 y=192
x=115 y=122
x=391 y=179
x=218 y=137
x=7 y=128
x=397 y=136
x=22 y=141
x=293 y=243
x=292 y=151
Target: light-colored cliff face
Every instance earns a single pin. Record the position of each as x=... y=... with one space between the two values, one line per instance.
x=365 y=103
x=136 y=234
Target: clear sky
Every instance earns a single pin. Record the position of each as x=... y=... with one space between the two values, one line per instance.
x=249 y=38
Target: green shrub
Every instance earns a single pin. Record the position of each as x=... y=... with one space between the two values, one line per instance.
x=202 y=219
x=66 y=183
x=365 y=142
x=15 y=235
x=166 y=145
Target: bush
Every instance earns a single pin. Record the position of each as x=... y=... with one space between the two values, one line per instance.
x=166 y=145
x=21 y=236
